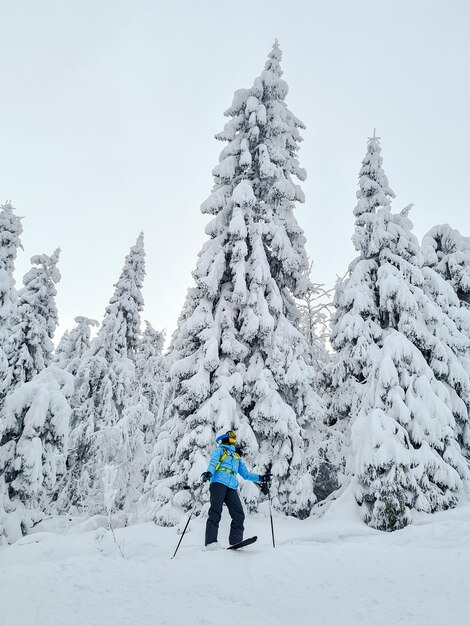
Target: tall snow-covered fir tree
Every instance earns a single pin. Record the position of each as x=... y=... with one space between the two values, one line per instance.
x=105 y=443
x=35 y=321
x=34 y=417
x=10 y=232
x=448 y=252
x=411 y=459
x=237 y=359
x=355 y=324
x=120 y=332
x=355 y=327
x=405 y=451
x=447 y=281
x=150 y=367
x=142 y=414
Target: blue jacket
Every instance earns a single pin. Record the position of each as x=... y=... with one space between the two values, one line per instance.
x=230 y=462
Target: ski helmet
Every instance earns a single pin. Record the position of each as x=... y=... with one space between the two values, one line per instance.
x=228 y=437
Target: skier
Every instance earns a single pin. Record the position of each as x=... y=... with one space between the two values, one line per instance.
x=222 y=471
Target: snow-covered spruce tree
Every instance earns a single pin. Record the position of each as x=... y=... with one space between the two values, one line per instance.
x=237 y=358
x=120 y=332
x=74 y=345
x=34 y=426
x=105 y=443
x=10 y=232
x=355 y=328
x=405 y=442
x=150 y=368
x=453 y=331
x=405 y=451
x=405 y=454
x=142 y=415
x=35 y=321
x=34 y=417
x=448 y=252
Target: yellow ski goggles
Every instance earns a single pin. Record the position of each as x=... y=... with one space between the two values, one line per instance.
x=231 y=435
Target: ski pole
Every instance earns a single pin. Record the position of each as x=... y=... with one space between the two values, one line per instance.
x=185 y=528
x=271 y=516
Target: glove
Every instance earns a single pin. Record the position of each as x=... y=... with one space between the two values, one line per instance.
x=264 y=487
x=206 y=476
x=264 y=478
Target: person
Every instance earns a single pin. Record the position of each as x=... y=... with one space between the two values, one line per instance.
x=224 y=465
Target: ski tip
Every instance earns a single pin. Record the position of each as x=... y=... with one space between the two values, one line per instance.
x=242 y=544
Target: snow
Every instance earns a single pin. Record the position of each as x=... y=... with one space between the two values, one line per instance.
x=329 y=571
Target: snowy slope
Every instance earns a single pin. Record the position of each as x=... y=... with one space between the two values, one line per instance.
x=333 y=571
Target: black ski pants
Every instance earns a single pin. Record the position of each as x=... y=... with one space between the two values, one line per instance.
x=219 y=494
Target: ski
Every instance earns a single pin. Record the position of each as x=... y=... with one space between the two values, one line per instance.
x=242 y=544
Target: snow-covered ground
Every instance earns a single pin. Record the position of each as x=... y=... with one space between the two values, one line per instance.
x=332 y=571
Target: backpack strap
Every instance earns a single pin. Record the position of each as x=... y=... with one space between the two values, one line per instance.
x=223 y=456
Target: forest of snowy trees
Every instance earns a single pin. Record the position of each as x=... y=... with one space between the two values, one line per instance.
x=366 y=387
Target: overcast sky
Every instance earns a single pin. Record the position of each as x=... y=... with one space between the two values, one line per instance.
x=108 y=110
